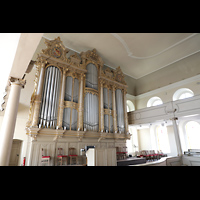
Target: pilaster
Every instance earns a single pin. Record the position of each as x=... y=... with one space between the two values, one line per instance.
x=101 y=108
x=80 y=103
x=177 y=137
x=114 y=110
x=38 y=95
x=61 y=102
x=125 y=112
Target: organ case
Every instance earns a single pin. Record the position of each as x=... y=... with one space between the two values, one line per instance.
x=75 y=97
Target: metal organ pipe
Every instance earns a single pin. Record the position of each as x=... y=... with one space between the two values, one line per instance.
x=91 y=104
x=57 y=97
x=47 y=98
x=53 y=102
x=48 y=114
x=44 y=97
x=120 y=110
x=50 y=107
x=76 y=90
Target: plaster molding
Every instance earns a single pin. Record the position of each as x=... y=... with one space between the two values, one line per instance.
x=130 y=54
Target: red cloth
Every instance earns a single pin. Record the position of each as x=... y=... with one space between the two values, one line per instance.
x=46 y=156
x=60 y=156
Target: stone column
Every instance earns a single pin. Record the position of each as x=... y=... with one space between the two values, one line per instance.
x=9 y=120
x=114 y=110
x=61 y=102
x=177 y=137
x=125 y=112
x=80 y=104
x=38 y=96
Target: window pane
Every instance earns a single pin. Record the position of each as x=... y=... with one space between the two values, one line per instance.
x=162 y=139
x=185 y=95
x=157 y=102
x=193 y=134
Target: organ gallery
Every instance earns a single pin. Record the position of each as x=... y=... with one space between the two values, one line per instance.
x=76 y=102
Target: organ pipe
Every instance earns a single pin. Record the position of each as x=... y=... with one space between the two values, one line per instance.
x=71 y=95
x=74 y=119
x=76 y=90
x=48 y=114
x=91 y=114
x=92 y=76
x=91 y=102
x=50 y=100
x=120 y=110
x=107 y=102
x=90 y=98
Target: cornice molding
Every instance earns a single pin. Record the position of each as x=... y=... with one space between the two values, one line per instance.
x=162 y=89
x=168 y=87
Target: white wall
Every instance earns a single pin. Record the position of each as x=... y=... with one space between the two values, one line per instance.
x=144 y=139
x=172 y=142
x=147 y=140
x=166 y=93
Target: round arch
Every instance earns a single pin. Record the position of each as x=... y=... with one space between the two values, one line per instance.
x=130 y=106
x=182 y=94
x=154 y=101
x=192 y=129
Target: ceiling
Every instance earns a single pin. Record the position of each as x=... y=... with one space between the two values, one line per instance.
x=138 y=54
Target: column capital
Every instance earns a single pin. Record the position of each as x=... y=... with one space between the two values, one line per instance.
x=65 y=70
x=114 y=87
x=102 y=82
x=17 y=81
x=42 y=61
x=125 y=90
x=82 y=75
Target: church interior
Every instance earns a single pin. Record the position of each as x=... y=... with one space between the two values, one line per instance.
x=100 y=99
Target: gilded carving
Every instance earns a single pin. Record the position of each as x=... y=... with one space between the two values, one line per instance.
x=107 y=112
x=75 y=66
x=71 y=104
x=75 y=59
x=56 y=49
x=91 y=56
x=92 y=91
x=109 y=73
x=119 y=76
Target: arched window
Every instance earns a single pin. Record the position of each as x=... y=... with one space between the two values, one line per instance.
x=162 y=139
x=130 y=106
x=182 y=94
x=154 y=101
x=193 y=134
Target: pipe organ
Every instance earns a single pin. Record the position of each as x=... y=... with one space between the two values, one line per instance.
x=49 y=101
x=75 y=98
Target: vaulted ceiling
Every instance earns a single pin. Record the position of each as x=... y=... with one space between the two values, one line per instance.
x=138 y=54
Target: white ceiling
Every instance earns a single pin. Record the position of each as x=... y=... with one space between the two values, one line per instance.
x=138 y=54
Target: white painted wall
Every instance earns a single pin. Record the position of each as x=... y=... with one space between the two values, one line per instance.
x=144 y=139
x=166 y=93
x=172 y=142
